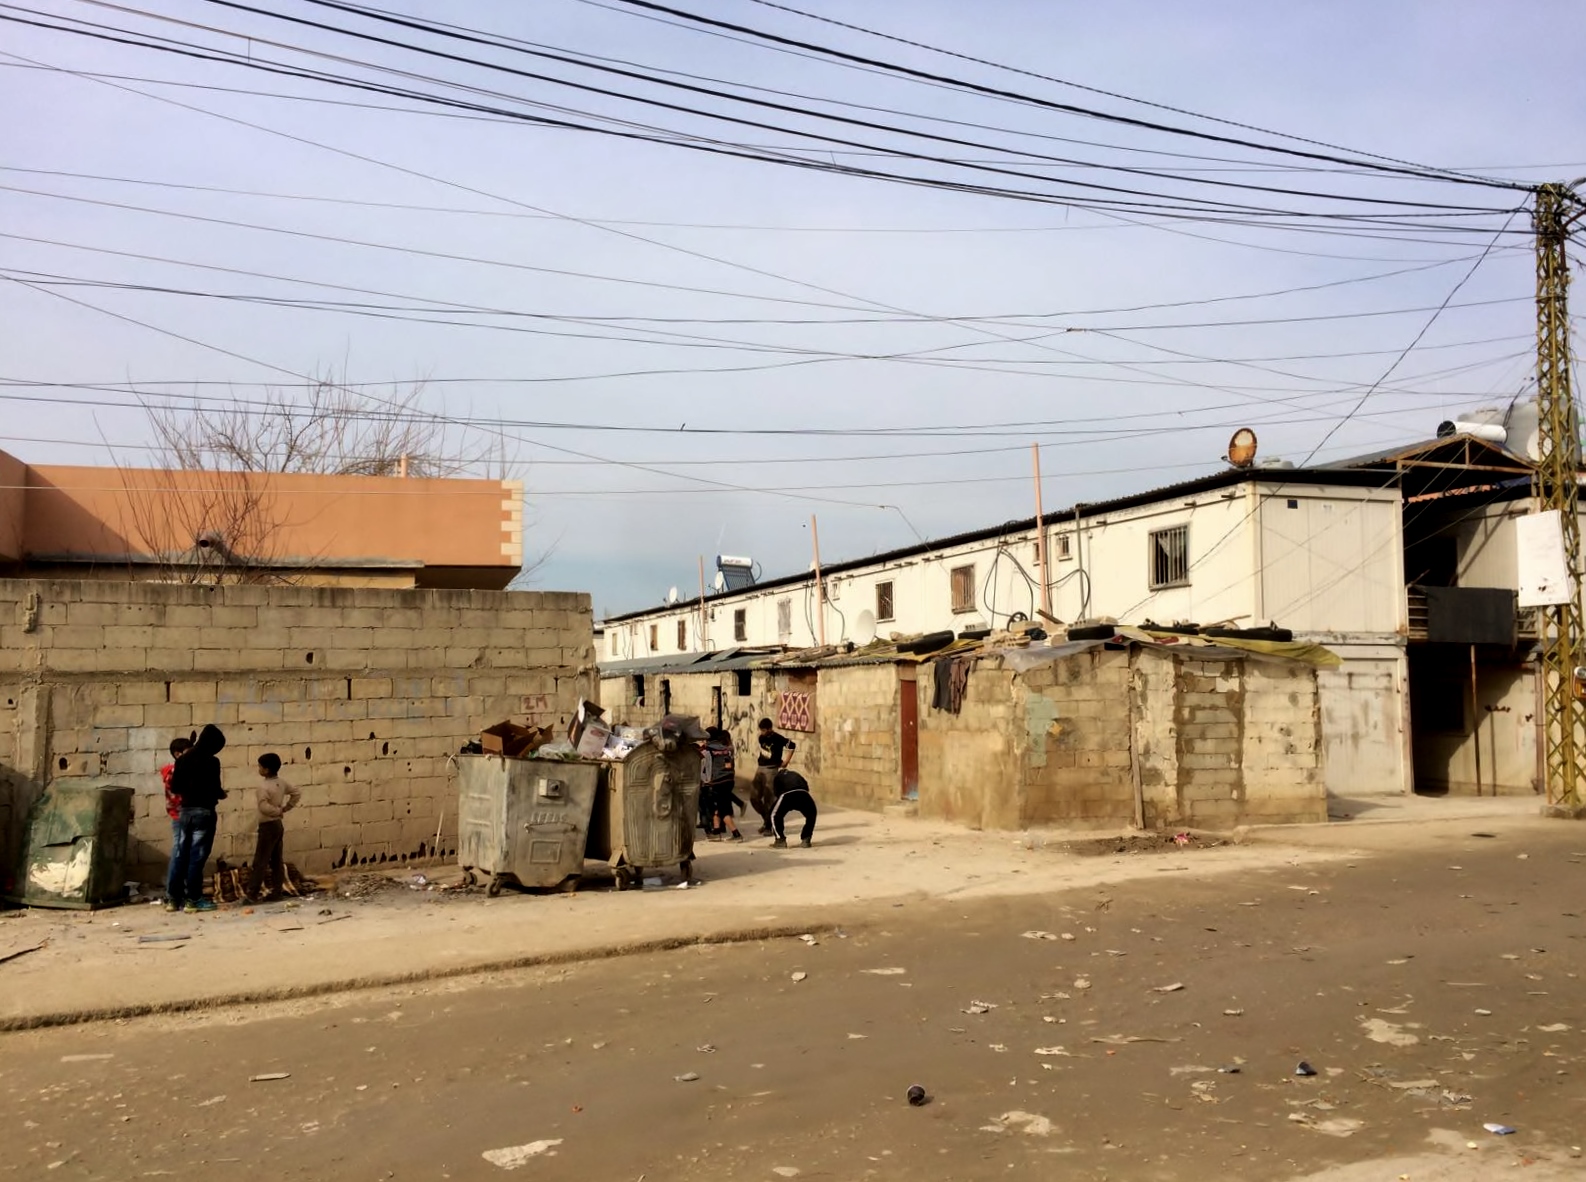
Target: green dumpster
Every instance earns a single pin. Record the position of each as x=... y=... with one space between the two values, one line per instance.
x=76 y=848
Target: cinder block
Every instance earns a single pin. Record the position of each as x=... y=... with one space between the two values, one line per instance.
x=118 y=716
x=372 y=810
x=334 y=838
x=140 y=693
x=259 y=712
x=380 y=832
x=174 y=716
x=167 y=660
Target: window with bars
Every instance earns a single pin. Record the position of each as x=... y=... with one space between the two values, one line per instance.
x=884 y=610
x=1065 y=546
x=1169 y=557
x=963 y=581
x=784 y=618
x=682 y=635
x=740 y=624
x=655 y=637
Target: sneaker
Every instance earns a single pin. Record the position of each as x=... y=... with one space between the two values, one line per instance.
x=805 y=843
x=736 y=836
x=766 y=831
x=779 y=844
x=170 y=905
x=195 y=905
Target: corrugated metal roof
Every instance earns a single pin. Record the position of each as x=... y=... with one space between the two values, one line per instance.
x=1429 y=447
x=725 y=661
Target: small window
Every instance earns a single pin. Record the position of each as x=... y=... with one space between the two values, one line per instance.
x=613 y=644
x=740 y=624
x=784 y=618
x=1169 y=552
x=963 y=588
x=666 y=696
x=655 y=637
x=745 y=682
x=884 y=601
x=1065 y=546
x=638 y=689
x=682 y=635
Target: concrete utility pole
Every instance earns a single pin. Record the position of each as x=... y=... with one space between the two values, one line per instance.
x=1555 y=487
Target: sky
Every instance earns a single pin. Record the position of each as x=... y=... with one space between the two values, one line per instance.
x=685 y=353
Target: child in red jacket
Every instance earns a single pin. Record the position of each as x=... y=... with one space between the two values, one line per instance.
x=173 y=804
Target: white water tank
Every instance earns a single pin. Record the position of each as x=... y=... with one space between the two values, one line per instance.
x=1522 y=427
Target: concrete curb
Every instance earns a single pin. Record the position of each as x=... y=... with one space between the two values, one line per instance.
x=48 y=1020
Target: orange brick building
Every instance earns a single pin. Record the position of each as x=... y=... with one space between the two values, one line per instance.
x=152 y=524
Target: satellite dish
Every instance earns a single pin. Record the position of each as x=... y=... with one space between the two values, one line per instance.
x=671 y=595
x=865 y=627
x=1242 y=448
x=720 y=582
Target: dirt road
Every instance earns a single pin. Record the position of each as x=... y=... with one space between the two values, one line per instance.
x=1431 y=990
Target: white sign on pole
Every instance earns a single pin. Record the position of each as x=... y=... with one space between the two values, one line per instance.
x=1539 y=545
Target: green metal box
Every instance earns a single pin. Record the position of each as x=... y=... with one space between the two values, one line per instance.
x=76 y=848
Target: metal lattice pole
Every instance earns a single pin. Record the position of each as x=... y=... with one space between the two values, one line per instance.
x=1555 y=487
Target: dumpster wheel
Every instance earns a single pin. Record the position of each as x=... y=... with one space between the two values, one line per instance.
x=494 y=888
x=624 y=877
x=469 y=877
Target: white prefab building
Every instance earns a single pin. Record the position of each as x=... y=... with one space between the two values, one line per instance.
x=1316 y=551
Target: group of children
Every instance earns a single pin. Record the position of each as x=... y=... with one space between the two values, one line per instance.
x=193 y=790
x=776 y=792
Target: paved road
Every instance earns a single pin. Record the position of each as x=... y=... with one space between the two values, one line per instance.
x=1409 y=981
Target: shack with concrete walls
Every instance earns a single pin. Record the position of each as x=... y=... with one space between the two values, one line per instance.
x=1104 y=735
x=1088 y=735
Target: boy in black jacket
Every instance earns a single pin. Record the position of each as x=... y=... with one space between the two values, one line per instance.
x=195 y=781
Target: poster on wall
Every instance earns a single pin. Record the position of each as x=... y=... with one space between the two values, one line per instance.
x=1539 y=553
x=795 y=711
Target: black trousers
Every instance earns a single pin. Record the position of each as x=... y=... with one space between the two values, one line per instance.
x=268 y=864
x=797 y=801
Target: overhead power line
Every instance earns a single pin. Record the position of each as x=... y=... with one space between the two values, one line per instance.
x=1358 y=161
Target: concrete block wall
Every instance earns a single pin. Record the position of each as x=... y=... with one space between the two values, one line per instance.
x=857 y=757
x=363 y=693
x=1228 y=742
x=1074 y=715
x=971 y=762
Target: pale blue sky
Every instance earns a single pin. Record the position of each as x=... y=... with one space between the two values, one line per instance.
x=1459 y=85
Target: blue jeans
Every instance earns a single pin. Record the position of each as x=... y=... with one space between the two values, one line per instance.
x=192 y=835
x=176 y=846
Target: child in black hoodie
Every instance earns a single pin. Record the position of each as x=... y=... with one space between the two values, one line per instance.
x=195 y=781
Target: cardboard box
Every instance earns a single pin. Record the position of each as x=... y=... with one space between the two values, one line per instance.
x=594 y=738
x=511 y=740
x=586 y=714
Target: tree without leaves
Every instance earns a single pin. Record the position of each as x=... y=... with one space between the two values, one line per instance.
x=332 y=430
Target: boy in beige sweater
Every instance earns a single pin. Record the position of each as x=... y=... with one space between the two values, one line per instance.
x=276 y=799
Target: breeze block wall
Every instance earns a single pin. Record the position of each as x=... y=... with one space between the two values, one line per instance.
x=1232 y=741
x=365 y=694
